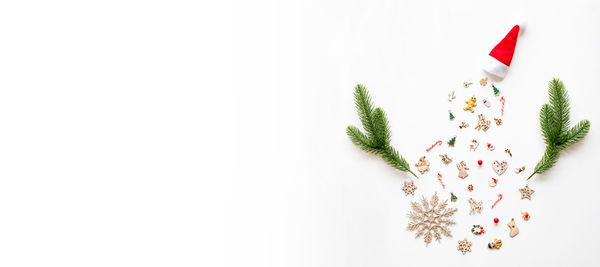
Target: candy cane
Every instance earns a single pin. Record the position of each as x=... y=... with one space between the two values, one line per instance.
x=440 y=179
x=502 y=100
x=439 y=142
x=499 y=198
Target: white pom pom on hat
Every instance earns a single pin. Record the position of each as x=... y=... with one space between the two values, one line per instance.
x=499 y=59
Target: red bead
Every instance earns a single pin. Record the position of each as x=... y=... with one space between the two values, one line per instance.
x=496 y=220
x=479 y=162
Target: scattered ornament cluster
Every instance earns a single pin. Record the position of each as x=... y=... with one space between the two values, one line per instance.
x=431 y=218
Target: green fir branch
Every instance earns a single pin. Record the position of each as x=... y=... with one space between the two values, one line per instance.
x=554 y=123
x=378 y=134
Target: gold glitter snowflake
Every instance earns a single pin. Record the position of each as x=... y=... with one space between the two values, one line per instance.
x=431 y=219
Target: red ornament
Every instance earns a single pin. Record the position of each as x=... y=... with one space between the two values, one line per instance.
x=480 y=162
x=496 y=220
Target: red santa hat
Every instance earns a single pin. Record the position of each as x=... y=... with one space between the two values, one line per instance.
x=499 y=59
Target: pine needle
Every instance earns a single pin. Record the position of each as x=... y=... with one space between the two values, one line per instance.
x=378 y=135
x=554 y=123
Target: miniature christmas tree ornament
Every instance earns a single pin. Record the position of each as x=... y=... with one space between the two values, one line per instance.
x=453 y=198
x=452 y=141
x=451 y=115
x=496 y=91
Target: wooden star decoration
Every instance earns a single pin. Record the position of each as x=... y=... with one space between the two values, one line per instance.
x=409 y=187
x=464 y=246
x=526 y=192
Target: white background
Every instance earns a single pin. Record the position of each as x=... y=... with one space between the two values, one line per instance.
x=179 y=133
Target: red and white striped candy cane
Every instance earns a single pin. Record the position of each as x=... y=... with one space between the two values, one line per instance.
x=502 y=100
x=440 y=179
x=499 y=198
x=439 y=142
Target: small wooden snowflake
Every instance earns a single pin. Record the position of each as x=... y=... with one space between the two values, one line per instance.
x=526 y=192
x=483 y=81
x=464 y=246
x=409 y=188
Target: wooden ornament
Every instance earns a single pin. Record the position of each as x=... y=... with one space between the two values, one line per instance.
x=483 y=81
x=474 y=145
x=476 y=206
x=445 y=159
x=499 y=167
x=464 y=246
x=409 y=187
x=513 y=228
x=482 y=124
x=462 y=169
x=526 y=192
x=451 y=96
x=422 y=165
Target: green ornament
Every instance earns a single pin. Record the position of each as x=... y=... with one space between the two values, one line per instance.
x=496 y=91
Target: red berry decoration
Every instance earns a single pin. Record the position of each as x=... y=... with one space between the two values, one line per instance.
x=496 y=220
x=480 y=162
